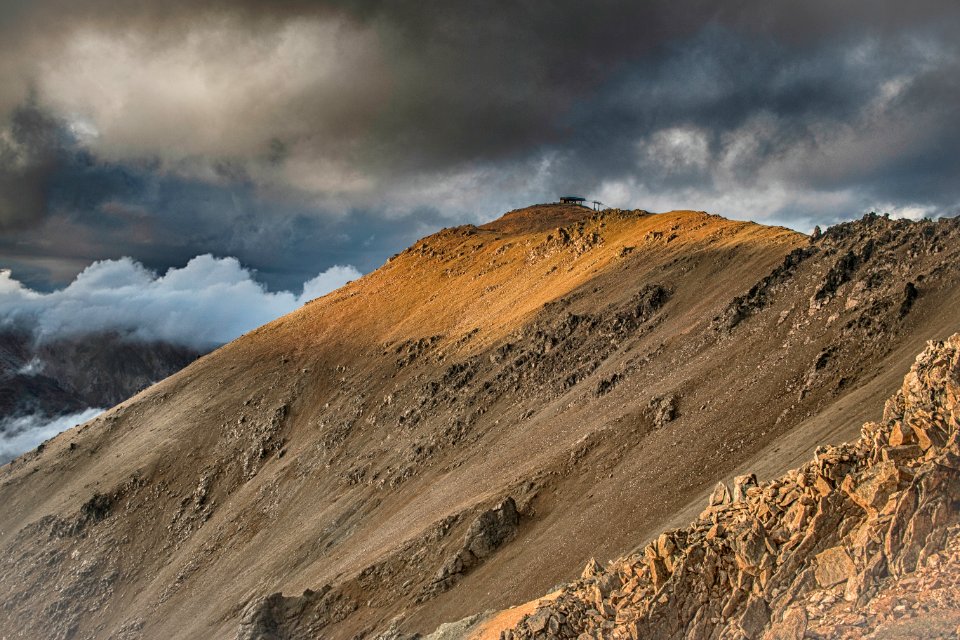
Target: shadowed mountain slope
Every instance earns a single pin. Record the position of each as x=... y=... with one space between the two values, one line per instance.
x=46 y=382
x=90 y=370
x=463 y=428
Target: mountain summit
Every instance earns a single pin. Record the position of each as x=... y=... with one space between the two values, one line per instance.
x=468 y=425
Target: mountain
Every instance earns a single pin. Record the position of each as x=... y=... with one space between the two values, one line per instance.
x=92 y=369
x=43 y=380
x=464 y=428
x=24 y=389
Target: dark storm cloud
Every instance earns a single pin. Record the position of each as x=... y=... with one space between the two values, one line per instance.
x=719 y=82
x=298 y=135
x=455 y=82
x=30 y=150
x=102 y=210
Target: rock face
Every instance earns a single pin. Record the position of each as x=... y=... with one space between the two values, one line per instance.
x=486 y=534
x=277 y=617
x=866 y=536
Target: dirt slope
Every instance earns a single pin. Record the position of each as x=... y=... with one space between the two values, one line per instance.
x=465 y=427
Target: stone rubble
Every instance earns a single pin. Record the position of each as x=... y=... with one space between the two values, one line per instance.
x=864 y=537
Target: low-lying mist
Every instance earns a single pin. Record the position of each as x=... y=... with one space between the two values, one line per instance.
x=20 y=434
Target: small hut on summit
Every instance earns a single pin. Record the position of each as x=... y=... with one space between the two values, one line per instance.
x=572 y=200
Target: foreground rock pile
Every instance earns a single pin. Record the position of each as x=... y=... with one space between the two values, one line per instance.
x=861 y=539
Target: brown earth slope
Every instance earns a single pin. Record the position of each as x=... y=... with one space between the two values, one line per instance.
x=463 y=428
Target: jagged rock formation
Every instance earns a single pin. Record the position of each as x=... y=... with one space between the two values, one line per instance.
x=816 y=553
x=579 y=364
x=277 y=617
x=486 y=534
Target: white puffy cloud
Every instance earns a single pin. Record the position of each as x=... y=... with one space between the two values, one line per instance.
x=333 y=278
x=207 y=302
x=916 y=211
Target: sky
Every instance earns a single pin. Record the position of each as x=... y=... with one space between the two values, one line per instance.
x=289 y=138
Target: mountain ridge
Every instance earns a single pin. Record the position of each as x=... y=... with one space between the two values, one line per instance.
x=587 y=372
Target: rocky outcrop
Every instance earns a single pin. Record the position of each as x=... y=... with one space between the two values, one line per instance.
x=824 y=551
x=276 y=616
x=486 y=534
x=663 y=409
x=742 y=307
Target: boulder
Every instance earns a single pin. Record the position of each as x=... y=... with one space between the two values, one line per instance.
x=901 y=453
x=492 y=528
x=751 y=548
x=658 y=572
x=592 y=570
x=902 y=434
x=755 y=617
x=873 y=487
x=664 y=409
x=538 y=621
x=665 y=545
x=833 y=566
x=741 y=484
x=928 y=435
x=793 y=626
x=720 y=495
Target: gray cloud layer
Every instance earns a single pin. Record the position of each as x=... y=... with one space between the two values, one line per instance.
x=296 y=135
